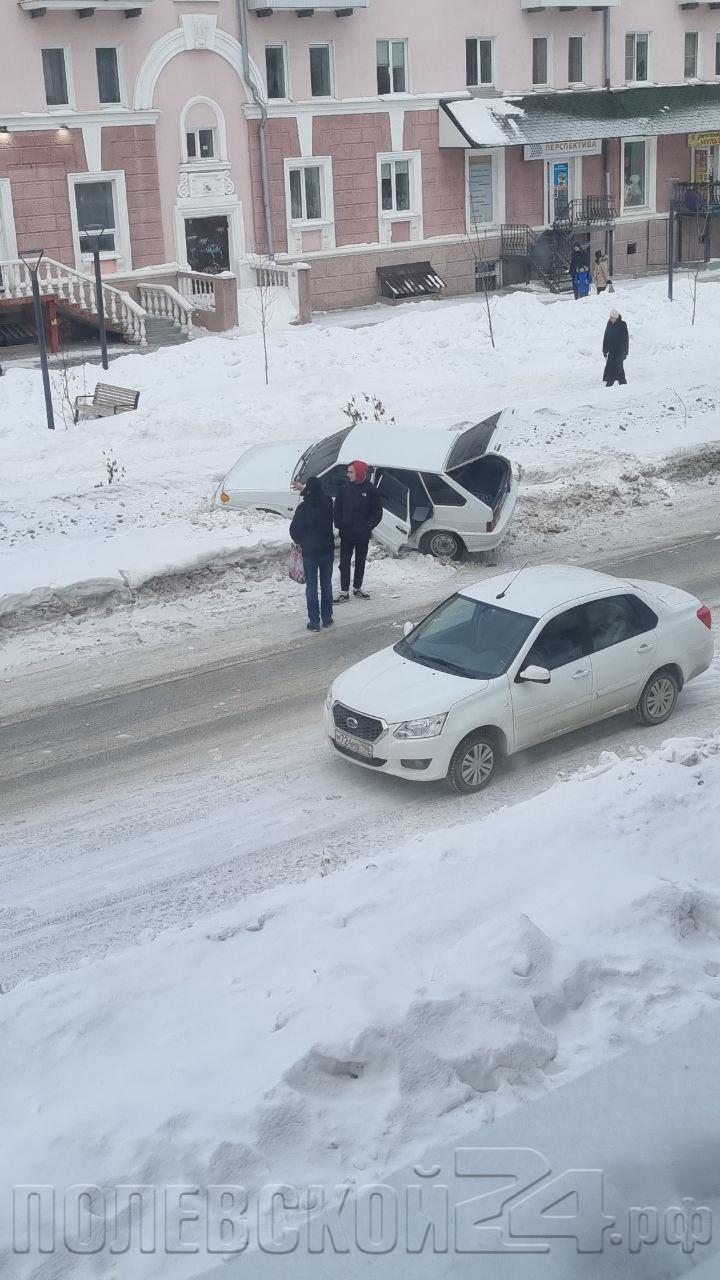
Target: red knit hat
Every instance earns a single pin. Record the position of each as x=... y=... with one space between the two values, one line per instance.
x=361 y=470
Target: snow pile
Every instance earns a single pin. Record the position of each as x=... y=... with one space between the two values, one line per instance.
x=332 y=1030
x=68 y=498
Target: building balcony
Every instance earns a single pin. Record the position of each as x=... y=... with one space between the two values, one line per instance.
x=537 y=6
x=701 y=198
x=84 y=8
x=341 y=8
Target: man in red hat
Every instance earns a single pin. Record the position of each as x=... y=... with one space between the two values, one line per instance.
x=358 y=510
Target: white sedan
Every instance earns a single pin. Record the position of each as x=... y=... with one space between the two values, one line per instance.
x=512 y=661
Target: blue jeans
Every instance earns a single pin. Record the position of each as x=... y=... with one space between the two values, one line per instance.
x=319 y=567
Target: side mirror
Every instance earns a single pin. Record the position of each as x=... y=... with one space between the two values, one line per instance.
x=535 y=675
x=409 y=626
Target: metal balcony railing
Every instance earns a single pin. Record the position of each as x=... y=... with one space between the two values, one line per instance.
x=697 y=197
x=587 y=211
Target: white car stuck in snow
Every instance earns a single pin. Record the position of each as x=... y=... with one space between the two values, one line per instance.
x=511 y=661
x=442 y=492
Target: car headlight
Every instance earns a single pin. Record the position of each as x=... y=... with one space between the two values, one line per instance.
x=329 y=698
x=429 y=727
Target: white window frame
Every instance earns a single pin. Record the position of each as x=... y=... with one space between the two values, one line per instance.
x=329 y=45
x=698 y=56
x=8 y=239
x=391 y=40
x=639 y=212
x=413 y=215
x=122 y=252
x=583 y=58
x=547 y=83
x=716 y=67
x=497 y=156
x=122 y=82
x=326 y=224
x=69 y=77
x=279 y=44
x=484 y=84
x=648 y=37
x=196 y=130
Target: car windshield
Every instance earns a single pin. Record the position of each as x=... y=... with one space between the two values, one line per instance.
x=318 y=457
x=467 y=638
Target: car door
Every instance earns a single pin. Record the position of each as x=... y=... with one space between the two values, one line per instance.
x=449 y=505
x=623 y=634
x=394 y=527
x=543 y=710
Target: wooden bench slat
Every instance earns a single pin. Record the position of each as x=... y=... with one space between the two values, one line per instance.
x=106 y=399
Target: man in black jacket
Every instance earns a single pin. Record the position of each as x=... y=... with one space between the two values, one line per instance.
x=358 y=510
x=312 y=531
x=616 y=345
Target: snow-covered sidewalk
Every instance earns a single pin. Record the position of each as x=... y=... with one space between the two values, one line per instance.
x=333 y=1030
x=70 y=538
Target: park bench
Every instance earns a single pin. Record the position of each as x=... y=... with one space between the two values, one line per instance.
x=105 y=402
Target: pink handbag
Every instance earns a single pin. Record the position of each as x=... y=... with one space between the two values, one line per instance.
x=297 y=568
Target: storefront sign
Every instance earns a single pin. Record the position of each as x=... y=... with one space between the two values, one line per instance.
x=546 y=150
x=701 y=140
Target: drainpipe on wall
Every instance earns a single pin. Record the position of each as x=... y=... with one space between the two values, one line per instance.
x=607 y=76
x=257 y=99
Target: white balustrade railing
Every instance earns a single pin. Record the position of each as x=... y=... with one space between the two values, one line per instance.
x=163 y=302
x=270 y=275
x=78 y=290
x=198 y=289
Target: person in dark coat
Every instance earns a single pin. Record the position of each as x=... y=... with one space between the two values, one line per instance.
x=578 y=261
x=616 y=345
x=358 y=510
x=312 y=531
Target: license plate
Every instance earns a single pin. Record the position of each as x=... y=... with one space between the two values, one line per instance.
x=353 y=744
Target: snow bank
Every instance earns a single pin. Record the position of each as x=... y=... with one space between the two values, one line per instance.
x=332 y=1030
x=580 y=444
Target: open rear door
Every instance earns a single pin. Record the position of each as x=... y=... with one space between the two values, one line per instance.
x=394 y=528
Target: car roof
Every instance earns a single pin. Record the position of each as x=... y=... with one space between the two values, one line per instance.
x=383 y=444
x=538 y=589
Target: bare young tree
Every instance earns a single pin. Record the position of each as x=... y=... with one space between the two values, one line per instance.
x=356 y=413
x=475 y=241
x=265 y=295
x=69 y=380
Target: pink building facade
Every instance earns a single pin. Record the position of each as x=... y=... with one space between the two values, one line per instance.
x=357 y=135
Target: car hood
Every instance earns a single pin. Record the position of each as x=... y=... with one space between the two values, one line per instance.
x=395 y=689
x=265 y=467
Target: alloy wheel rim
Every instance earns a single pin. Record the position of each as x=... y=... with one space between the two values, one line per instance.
x=477 y=764
x=443 y=544
x=660 y=697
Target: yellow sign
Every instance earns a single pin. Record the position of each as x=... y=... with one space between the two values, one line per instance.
x=704 y=140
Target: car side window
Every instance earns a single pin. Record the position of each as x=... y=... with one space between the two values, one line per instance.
x=618 y=618
x=334 y=479
x=563 y=640
x=393 y=495
x=441 y=492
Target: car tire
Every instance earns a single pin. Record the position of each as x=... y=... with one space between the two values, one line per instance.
x=442 y=545
x=659 y=698
x=473 y=763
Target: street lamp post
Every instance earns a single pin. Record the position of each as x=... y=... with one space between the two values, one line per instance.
x=94 y=237
x=32 y=259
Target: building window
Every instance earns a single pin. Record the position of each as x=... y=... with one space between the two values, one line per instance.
x=108 y=75
x=692 y=49
x=392 y=66
x=540 y=60
x=395 y=186
x=320 y=71
x=200 y=144
x=480 y=190
x=55 y=76
x=576 y=60
x=636 y=57
x=717 y=55
x=478 y=62
x=635 y=174
x=275 y=70
x=95 y=209
x=306 y=201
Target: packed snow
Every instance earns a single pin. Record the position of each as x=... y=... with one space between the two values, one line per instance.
x=102 y=516
x=331 y=1031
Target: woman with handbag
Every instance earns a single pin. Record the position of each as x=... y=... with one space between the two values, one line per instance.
x=312 y=531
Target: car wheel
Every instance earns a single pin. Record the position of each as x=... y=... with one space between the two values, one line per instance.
x=473 y=764
x=659 y=698
x=443 y=545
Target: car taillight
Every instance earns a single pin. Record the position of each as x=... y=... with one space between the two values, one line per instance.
x=489 y=527
x=705 y=616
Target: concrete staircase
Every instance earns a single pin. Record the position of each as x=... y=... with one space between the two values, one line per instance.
x=162 y=332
